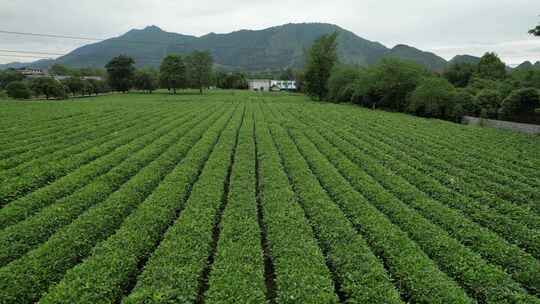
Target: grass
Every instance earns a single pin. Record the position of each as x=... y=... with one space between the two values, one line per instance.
x=239 y=197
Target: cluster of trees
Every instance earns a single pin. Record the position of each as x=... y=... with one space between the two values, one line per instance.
x=175 y=72
x=486 y=89
x=50 y=87
x=235 y=81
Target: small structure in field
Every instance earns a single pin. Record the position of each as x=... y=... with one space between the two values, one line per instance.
x=265 y=85
x=32 y=72
x=284 y=85
x=262 y=85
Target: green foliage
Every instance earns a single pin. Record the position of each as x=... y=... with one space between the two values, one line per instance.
x=120 y=72
x=459 y=74
x=322 y=56
x=199 y=69
x=146 y=80
x=488 y=101
x=526 y=78
x=172 y=73
x=491 y=67
x=237 y=81
x=18 y=90
x=49 y=87
x=59 y=69
x=340 y=83
x=248 y=197
x=433 y=97
x=464 y=104
x=8 y=76
x=75 y=85
x=522 y=101
x=395 y=80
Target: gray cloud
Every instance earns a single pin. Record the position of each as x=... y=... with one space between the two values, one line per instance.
x=446 y=27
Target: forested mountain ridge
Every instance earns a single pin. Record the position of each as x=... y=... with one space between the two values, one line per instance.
x=273 y=48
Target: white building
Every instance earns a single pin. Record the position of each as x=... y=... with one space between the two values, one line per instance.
x=32 y=72
x=265 y=85
x=284 y=85
x=262 y=85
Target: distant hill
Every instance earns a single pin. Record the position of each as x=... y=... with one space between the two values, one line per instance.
x=273 y=48
x=527 y=65
x=427 y=59
x=465 y=59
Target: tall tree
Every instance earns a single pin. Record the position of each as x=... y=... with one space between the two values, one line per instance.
x=459 y=74
x=121 y=70
x=146 y=80
x=491 y=67
x=322 y=57
x=172 y=72
x=199 y=66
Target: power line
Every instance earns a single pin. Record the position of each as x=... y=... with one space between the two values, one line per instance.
x=119 y=40
x=25 y=56
x=49 y=35
x=31 y=52
x=86 y=38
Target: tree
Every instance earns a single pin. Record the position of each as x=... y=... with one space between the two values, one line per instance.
x=59 y=69
x=363 y=89
x=340 y=83
x=199 y=69
x=433 y=97
x=237 y=81
x=146 y=80
x=464 y=104
x=491 y=67
x=75 y=85
x=121 y=71
x=522 y=101
x=322 y=57
x=49 y=87
x=172 y=72
x=459 y=74
x=99 y=86
x=395 y=79
x=488 y=102
x=8 y=76
x=18 y=90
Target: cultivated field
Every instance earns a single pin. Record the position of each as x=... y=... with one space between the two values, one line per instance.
x=235 y=197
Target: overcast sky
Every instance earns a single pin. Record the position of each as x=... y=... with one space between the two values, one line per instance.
x=446 y=27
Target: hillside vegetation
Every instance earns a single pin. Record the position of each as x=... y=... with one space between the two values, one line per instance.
x=237 y=197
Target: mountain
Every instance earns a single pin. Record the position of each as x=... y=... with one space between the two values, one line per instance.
x=464 y=59
x=527 y=65
x=269 y=49
x=273 y=48
x=41 y=64
x=427 y=59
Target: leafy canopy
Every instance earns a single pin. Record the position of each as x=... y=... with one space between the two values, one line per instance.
x=199 y=69
x=322 y=57
x=172 y=72
x=121 y=70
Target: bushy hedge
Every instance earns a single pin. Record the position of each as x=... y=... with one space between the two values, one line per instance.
x=404 y=86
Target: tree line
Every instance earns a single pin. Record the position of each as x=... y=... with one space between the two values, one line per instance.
x=194 y=70
x=485 y=89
